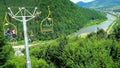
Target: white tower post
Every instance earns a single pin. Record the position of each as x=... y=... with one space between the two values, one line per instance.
x=23 y=15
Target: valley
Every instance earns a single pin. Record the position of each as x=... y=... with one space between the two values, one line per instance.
x=59 y=34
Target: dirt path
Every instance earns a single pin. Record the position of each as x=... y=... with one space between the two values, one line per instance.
x=33 y=44
x=22 y=46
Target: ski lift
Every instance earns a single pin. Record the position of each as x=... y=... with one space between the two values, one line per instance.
x=7 y=24
x=47 y=23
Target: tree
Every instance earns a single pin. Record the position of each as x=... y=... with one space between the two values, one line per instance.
x=5 y=49
x=117 y=33
x=2 y=44
x=101 y=33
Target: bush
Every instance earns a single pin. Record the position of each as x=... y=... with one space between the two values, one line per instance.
x=81 y=53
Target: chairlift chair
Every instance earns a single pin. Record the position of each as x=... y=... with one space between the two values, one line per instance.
x=6 y=25
x=47 y=23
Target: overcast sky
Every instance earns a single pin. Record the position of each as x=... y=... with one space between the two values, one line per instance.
x=81 y=0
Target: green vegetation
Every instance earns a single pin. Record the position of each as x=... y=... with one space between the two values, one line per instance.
x=91 y=52
x=97 y=50
x=116 y=30
x=5 y=49
x=94 y=22
x=67 y=17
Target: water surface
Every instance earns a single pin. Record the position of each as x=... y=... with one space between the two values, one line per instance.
x=104 y=25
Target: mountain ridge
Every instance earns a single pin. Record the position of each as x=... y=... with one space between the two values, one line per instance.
x=100 y=4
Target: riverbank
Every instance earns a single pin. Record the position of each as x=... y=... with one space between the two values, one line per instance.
x=103 y=25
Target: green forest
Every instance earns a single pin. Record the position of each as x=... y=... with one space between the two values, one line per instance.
x=67 y=17
x=97 y=50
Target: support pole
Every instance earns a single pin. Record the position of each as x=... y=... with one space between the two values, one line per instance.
x=28 y=62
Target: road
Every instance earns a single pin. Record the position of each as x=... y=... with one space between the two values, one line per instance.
x=32 y=44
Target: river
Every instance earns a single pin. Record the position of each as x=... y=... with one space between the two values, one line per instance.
x=104 y=25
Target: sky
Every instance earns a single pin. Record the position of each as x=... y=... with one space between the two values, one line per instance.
x=75 y=1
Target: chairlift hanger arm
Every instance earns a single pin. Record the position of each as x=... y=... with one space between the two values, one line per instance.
x=6 y=22
x=5 y=18
x=47 y=18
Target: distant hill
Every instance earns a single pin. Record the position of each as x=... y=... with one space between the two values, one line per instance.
x=100 y=4
x=84 y=4
x=67 y=16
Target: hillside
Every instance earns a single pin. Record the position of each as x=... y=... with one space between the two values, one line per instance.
x=100 y=4
x=91 y=52
x=67 y=16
